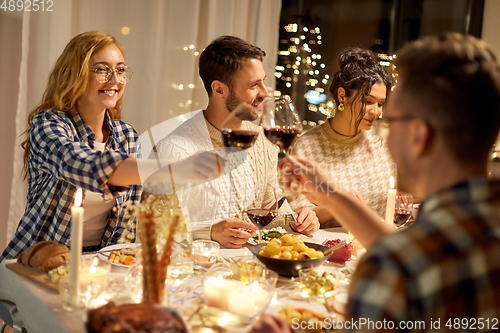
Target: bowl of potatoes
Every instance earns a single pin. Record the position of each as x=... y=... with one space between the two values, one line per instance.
x=289 y=254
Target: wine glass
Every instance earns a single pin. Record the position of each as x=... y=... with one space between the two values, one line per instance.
x=241 y=128
x=281 y=122
x=261 y=217
x=403 y=209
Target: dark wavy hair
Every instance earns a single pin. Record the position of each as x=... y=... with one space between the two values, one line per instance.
x=223 y=57
x=359 y=71
x=452 y=82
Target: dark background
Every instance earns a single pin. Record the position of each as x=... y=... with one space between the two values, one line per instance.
x=383 y=26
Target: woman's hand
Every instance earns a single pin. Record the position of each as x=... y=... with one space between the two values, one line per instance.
x=198 y=168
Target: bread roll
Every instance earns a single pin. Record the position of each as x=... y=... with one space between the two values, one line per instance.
x=143 y=317
x=45 y=255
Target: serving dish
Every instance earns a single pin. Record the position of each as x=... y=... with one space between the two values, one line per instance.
x=290 y=267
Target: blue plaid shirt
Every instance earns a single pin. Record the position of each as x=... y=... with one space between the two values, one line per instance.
x=61 y=159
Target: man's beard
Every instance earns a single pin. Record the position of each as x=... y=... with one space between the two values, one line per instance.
x=232 y=101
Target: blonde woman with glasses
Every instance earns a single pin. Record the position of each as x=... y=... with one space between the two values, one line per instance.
x=75 y=139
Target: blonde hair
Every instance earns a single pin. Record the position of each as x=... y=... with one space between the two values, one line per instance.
x=69 y=78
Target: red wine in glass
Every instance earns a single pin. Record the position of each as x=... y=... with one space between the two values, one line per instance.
x=282 y=137
x=401 y=216
x=242 y=139
x=261 y=217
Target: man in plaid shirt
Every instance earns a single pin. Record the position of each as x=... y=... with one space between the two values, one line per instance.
x=443 y=272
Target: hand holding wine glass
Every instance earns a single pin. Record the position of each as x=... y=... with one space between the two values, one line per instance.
x=403 y=209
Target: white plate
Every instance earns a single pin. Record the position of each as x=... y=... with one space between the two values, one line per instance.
x=116 y=247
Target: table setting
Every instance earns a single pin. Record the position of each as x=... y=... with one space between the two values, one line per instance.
x=169 y=280
x=195 y=298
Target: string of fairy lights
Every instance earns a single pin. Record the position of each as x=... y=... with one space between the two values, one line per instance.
x=300 y=63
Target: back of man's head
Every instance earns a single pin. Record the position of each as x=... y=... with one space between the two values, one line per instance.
x=223 y=57
x=453 y=83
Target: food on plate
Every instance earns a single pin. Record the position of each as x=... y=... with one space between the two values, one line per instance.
x=245 y=268
x=267 y=235
x=340 y=255
x=45 y=255
x=315 y=322
x=315 y=284
x=123 y=256
x=142 y=317
x=289 y=247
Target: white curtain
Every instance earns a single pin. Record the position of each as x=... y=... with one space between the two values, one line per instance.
x=162 y=41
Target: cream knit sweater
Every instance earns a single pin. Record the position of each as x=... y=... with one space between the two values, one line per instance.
x=248 y=181
x=361 y=163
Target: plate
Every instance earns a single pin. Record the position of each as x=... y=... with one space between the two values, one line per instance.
x=116 y=247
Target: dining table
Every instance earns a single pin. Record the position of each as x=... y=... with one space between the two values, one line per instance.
x=37 y=309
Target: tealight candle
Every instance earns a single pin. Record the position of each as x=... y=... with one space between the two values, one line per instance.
x=96 y=277
x=76 y=249
x=391 y=202
x=215 y=291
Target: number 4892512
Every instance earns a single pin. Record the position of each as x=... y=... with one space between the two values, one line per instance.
x=27 y=5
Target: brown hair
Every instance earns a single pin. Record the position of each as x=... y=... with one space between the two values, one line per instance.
x=453 y=83
x=359 y=71
x=68 y=79
x=223 y=57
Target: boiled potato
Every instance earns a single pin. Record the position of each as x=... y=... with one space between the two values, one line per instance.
x=287 y=240
x=289 y=247
x=273 y=248
x=300 y=247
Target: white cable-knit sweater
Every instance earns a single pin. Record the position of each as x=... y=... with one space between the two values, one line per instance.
x=248 y=181
x=361 y=163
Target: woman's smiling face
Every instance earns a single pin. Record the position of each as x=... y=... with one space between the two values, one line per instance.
x=100 y=96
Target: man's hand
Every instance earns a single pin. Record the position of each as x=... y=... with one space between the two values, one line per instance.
x=270 y=324
x=307 y=177
x=358 y=196
x=307 y=221
x=229 y=234
x=198 y=168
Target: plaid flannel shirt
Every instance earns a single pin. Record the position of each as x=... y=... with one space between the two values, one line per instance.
x=445 y=267
x=61 y=159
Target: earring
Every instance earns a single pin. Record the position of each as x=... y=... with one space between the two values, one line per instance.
x=341 y=107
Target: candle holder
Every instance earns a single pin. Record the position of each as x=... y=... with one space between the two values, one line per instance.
x=79 y=300
x=245 y=299
x=205 y=254
x=95 y=274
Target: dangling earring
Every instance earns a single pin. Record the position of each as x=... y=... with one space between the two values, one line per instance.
x=341 y=107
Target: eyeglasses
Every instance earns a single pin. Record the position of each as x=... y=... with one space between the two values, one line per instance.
x=381 y=125
x=103 y=74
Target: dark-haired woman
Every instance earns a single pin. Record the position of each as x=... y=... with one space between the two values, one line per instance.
x=346 y=145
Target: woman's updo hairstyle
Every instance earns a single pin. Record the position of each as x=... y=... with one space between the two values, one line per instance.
x=359 y=71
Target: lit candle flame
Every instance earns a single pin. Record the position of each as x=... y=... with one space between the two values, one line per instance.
x=92 y=269
x=219 y=281
x=78 y=197
x=392 y=182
